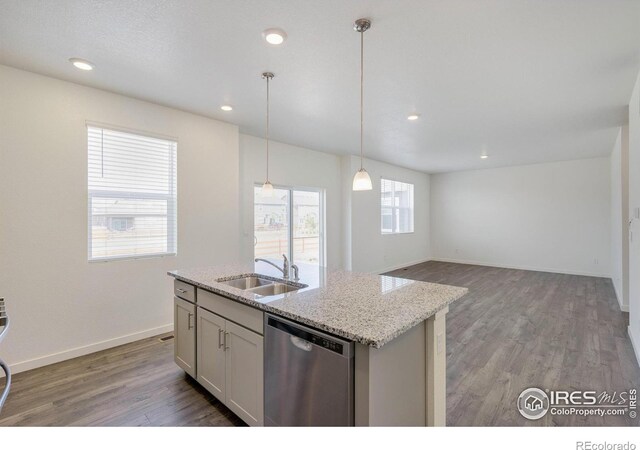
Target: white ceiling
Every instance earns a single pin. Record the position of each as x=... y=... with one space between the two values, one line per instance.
x=526 y=81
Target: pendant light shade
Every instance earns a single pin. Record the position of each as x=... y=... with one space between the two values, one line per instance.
x=267 y=187
x=362 y=180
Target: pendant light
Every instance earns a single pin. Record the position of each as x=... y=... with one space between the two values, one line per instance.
x=362 y=180
x=267 y=187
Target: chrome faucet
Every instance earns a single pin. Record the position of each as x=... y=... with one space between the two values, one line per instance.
x=284 y=269
x=295 y=272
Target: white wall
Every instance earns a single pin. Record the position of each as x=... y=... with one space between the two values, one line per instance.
x=370 y=250
x=347 y=185
x=616 y=218
x=551 y=217
x=634 y=204
x=291 y=166
x=620 y=217
x=353 y=238
x=61 y=305
x=624 y=221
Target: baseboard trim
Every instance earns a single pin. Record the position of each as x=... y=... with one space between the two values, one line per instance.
x=533 y=269
x=623 y=308
x=87 y=349
x=400 y=266
x=635 y=343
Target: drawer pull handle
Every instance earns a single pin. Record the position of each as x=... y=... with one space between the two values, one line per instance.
x=225 y=340
x=189 y=326
x=220 y=344
x=184 y=291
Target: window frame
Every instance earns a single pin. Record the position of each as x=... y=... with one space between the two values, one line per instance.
x=411 y=209
x=172 y=203
x=321 y=235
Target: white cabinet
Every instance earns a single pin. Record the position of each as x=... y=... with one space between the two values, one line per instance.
x=244 y=373
x=185 y=335
x=219 y=342
x=211 y=355
x=230 y=365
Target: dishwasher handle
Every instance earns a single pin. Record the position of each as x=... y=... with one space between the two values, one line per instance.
x=301 y=344
x=306 y=338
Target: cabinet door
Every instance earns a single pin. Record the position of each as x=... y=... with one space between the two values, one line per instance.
x=211 y=361
x=184 y=329
x=244 y=377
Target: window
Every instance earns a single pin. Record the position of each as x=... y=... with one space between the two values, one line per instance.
x=396 y=200
x=291 y=223
x=132 y=195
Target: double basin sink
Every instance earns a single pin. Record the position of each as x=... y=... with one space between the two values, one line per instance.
x=263 y=286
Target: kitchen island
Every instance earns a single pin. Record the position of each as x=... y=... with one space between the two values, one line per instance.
x=397 y=325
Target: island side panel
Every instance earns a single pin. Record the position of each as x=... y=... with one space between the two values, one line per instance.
x=391 y=382
x=436 y=353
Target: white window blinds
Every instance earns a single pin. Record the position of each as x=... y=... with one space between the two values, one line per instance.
x=396 y=201
x=132 y=195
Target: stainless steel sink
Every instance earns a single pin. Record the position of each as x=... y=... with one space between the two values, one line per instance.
x=248 y=282
x=262 y=286
x=274 y=289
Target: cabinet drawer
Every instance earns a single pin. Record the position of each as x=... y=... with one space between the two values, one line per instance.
x=244 y=315
x=184 y=290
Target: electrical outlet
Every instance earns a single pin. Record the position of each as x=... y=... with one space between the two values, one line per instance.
x=595 y=261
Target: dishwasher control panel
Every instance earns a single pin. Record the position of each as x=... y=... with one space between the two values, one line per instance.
x=326 y=343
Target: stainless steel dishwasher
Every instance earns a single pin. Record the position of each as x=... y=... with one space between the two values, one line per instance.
x=308 y=376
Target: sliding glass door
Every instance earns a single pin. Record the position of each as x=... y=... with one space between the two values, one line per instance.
x=306 y=227
x=291 y=223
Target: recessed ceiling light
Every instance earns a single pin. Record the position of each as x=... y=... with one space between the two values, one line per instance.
x=274 y=36
x=413 y=117
x=226 y=107
x=484 y=156
x=81 y=64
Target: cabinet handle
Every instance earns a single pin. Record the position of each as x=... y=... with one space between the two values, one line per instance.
x=184 y=291
x=225 y=340
x=220 y=337
x=189 y=326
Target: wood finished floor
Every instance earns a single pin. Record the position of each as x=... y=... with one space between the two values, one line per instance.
x=136 y=384
x=517 y=329
x=514 y=329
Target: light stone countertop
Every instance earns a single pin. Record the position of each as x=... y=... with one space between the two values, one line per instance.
x=365 y=308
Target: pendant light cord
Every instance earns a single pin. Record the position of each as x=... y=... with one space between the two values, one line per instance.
x=361 y=96
x=268 y=127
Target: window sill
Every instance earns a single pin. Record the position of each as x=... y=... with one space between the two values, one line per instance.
x=125 y=258
x=399 y=232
